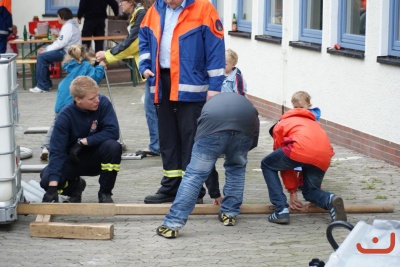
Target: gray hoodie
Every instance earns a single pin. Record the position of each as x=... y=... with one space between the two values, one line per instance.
x=69 y=35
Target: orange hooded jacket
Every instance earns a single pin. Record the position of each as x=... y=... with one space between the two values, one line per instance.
x=302 y=139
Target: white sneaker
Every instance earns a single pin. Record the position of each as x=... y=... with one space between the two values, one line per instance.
x=44 y=155
x=37 y=90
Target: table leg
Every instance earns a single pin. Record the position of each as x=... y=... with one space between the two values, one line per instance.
x=23 y=68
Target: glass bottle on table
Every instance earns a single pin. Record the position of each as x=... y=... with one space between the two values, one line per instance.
x=25 y=33
x=49 y=36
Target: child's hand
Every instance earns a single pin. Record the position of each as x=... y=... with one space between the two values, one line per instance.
x=217 y=201
x=101 y=55
x=103 y=63
x=295 y=204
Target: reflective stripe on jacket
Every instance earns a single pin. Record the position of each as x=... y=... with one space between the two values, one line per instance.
x=197 y=51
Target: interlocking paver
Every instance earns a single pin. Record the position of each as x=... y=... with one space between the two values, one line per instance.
x=204 y=241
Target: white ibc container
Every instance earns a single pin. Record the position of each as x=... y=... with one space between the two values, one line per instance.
x=7 y=189
x=7 y=135
x=6 y=116
x=7 y=165
x=7 y=73
x=10 y=187
x=14 y=106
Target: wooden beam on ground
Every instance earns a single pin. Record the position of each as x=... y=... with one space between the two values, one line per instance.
x=101 y=209
x=98 y=231
x=43 y=218
x=32 y=168
x=36 y=130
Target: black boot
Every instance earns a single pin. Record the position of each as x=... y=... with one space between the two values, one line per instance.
x=76 y=195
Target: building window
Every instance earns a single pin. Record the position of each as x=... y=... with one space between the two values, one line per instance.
x=53 y=5
x=352 y=18
x=244 y=15
x=219 y=6
x=273 y=18
x=311 y=21
x=394 y=29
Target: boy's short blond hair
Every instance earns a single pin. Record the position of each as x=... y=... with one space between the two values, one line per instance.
x=82 y=84
x=231 y=56
x=301 y=99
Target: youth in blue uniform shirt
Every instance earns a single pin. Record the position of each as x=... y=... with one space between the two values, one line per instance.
x=83 y=143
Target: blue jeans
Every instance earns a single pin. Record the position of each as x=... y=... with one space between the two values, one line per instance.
x=313 y=176
x=152 y=120
x=235 y=145
x=42 y=67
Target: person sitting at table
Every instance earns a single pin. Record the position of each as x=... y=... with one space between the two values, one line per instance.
x=130 y=47
x=55 y=52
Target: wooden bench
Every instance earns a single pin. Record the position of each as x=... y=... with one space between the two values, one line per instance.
x=32 y=63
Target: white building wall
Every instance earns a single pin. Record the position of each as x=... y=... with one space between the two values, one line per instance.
x=23 y=12
x=358 y=93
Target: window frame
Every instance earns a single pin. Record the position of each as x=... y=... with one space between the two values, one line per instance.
x=271 y=28
x=50 y=9
x=215 y=4
x=394 y=40
x=243 y=25
x=347 y=40
x=306 y=34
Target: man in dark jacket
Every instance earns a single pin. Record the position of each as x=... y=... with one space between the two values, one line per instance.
x=95 y=14
x=84 y=142
x=228 y=125
x=5 y=23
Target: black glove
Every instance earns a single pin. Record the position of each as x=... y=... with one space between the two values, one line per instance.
x=51 y=194
x=75 y=151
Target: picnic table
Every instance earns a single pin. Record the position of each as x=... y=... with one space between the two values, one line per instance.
x=41 y=40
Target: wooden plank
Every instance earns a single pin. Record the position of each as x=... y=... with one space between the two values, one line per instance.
x=43 y=218
x=26 y=61
x=100 y=231
x=31 y=168
x=97 y=209
x=35 y=130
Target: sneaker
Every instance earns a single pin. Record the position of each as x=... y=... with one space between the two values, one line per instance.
x=105 y=198
x=281 y=217
x=337 y=211
x=37 y=90
x=166 y=232
x=76 y=196
x=44 y=154
x=227 y=220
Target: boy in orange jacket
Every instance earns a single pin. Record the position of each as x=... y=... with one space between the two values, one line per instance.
x=299 y=141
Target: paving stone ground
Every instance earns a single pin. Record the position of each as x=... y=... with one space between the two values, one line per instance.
x=204 y=241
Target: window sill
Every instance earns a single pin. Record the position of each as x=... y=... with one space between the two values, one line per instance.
x=305 y=45
x=268 y=39
x=346 y=52
x=49 y=15
x=389 y=60
x=246 y=35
